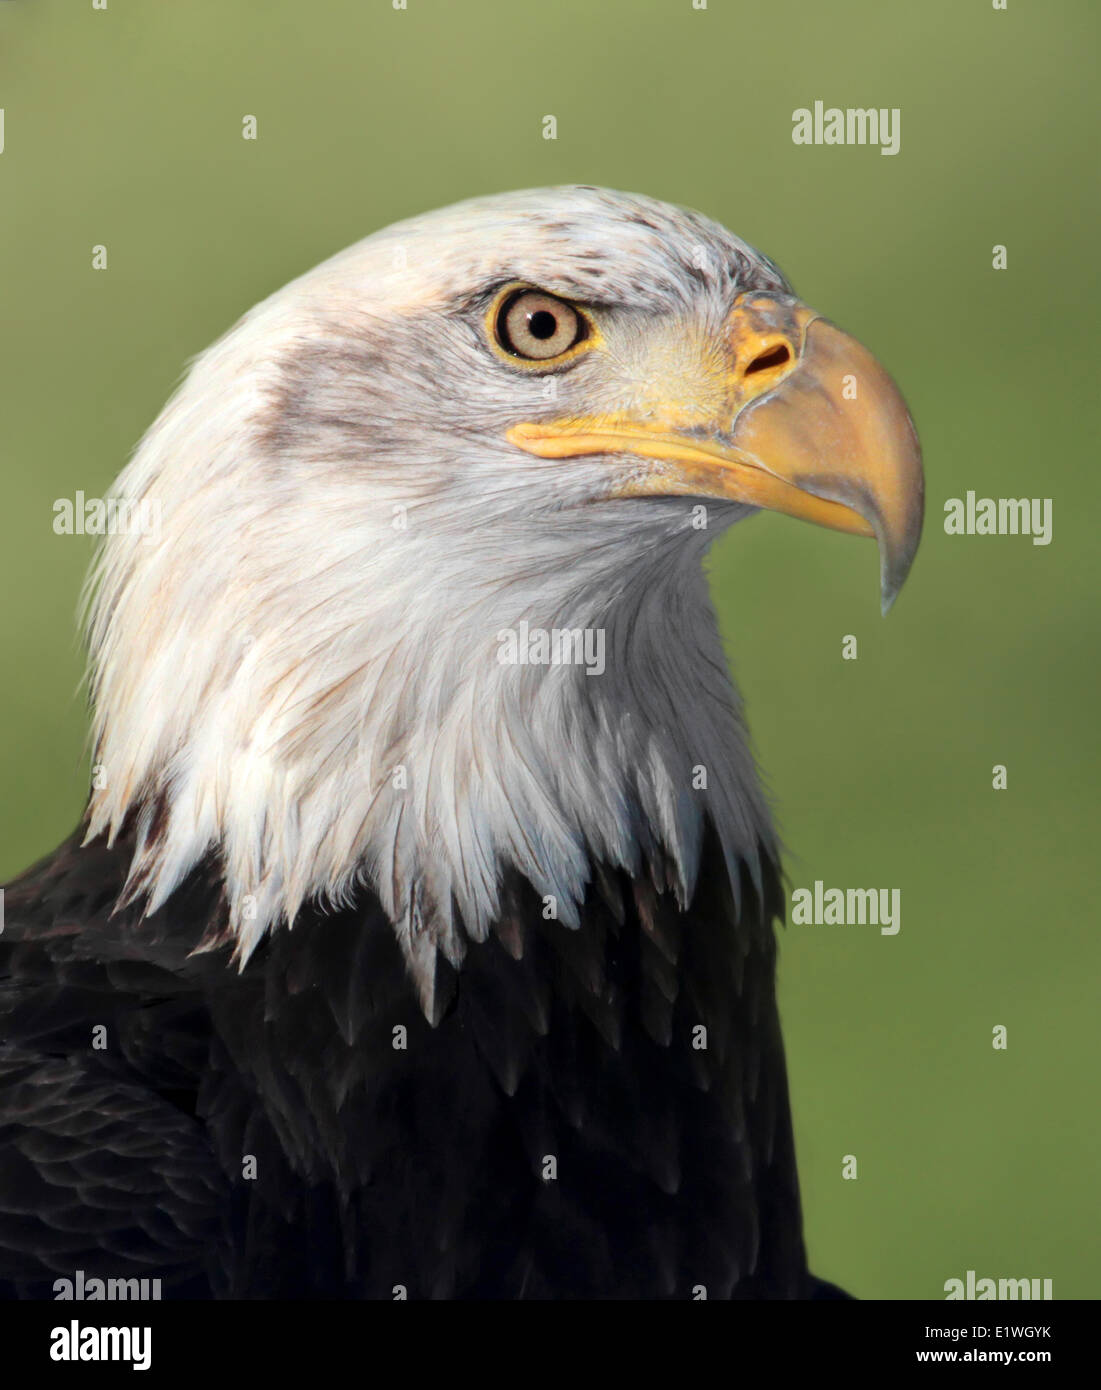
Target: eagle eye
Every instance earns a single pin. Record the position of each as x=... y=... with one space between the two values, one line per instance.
x=538 y=326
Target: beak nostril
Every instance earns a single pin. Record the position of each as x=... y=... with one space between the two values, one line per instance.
x=773 y=357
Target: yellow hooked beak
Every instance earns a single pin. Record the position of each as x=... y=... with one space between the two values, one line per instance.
x=808 y=424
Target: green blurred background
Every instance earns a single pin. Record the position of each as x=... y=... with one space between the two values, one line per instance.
x=123 y=127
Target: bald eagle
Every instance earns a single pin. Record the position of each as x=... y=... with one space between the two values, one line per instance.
x=418 y=940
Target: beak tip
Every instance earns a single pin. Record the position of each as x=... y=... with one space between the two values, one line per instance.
x=894 y=570
x=898 y=543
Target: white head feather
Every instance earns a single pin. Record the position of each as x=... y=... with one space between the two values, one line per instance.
x=302 y=675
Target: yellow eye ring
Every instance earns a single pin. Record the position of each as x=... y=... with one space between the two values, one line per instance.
x=533 y=329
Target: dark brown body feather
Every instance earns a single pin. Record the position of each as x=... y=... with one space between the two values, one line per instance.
x=378 y=1167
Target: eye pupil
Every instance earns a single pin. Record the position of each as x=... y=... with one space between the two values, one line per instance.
x=542 y=324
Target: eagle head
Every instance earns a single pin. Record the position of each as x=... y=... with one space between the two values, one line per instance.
x=524 y=414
